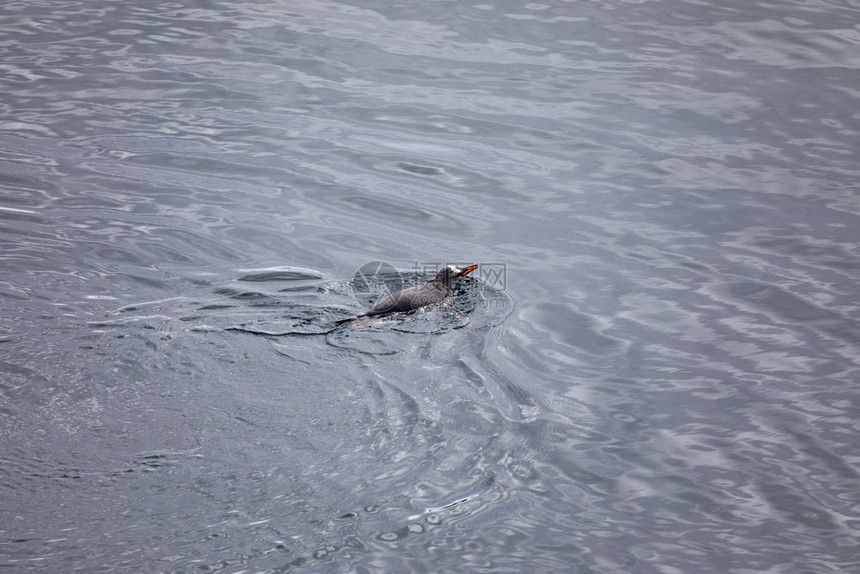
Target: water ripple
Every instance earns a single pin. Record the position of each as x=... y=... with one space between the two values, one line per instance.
x=664 y=381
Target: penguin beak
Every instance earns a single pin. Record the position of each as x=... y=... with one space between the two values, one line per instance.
x=468 y=269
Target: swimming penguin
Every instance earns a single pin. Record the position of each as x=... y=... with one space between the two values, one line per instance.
x=419 y=296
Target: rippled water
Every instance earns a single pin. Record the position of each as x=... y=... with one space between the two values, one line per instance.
x=655 y=372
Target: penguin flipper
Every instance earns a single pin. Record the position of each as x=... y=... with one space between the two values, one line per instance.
x=351 y=319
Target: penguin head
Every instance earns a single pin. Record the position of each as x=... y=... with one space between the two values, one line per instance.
x=449 y=275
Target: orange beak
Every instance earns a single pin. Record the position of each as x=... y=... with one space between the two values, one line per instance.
x=468 y=269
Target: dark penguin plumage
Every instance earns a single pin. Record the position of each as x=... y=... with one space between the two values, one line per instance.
x=419 y=296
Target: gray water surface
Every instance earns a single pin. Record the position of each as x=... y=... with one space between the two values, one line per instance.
x=653 y=371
